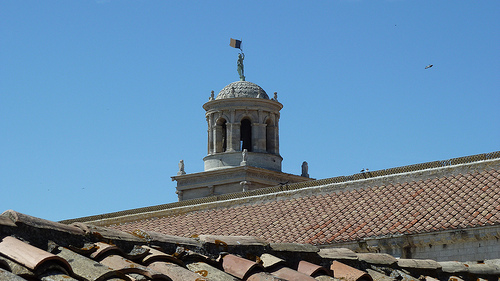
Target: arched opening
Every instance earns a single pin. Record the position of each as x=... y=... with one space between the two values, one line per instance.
x=246 y=135
x=269 y=137
x=224 y=136
x=221 y=135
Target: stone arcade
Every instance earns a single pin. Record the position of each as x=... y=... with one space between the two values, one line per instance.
x=243 y=145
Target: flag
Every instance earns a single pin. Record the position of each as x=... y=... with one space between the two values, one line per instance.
x=235 y=43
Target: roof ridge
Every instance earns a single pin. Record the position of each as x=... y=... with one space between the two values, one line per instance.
x=295 y=186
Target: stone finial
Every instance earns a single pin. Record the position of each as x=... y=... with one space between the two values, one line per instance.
x=305 y=169
x=211 y=96
x=275 y=96
x=181 y=168
x=244 y=155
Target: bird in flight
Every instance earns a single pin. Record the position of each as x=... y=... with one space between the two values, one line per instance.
x=429 y=66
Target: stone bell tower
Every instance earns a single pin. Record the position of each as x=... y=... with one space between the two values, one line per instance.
x=243 y=145
x=242 y=117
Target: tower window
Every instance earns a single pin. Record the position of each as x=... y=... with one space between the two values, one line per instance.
x=224 y=136
x=221 y=136
x=246 y=135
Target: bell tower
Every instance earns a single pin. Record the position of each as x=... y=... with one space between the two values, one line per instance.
x=243 y=117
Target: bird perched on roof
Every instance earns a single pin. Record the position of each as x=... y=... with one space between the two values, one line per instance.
x=429 y=66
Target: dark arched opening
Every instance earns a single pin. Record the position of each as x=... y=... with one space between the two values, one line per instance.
x=246 y=135
x=221 y=135
x=224 y=136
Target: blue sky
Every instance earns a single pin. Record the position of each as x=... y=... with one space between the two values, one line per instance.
x=99 y=100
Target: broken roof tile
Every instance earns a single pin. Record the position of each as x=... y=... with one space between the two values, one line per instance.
x=269 y=260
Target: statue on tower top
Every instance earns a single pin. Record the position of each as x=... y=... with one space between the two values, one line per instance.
x=241 y=56
x=241 y=70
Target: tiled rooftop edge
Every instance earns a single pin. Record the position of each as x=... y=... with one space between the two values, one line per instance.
x=423 y=238
x=415 y=172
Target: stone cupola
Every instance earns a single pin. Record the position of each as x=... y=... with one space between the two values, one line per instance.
x=243 y=145
x=242 y=116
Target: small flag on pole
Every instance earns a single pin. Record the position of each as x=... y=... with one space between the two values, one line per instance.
x=235 y=43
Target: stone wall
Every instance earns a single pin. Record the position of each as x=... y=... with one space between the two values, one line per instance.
x=474 y=244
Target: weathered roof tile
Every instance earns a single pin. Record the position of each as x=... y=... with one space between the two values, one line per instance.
x=239 y=267
x=453 y=267
x=7 y=276
x=418 y=264
x=212 y=273
x=291 y=275
x=338 y=254
x=380 y=259
x=30 y=256
x=345 y=272
x=312 y=269
x=87 y=268
x=19 y=218
x=126 y=266
x=174 y=271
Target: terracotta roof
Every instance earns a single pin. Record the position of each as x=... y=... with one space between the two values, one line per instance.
x=344 y=213
x=37 y=249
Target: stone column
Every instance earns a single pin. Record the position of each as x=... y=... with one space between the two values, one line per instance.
x=230 y=136
x=271 y=139
x=259 y=137
x=276 y=134
x=235 y=136
x=210 y=134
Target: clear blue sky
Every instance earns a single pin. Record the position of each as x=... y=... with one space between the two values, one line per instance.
x=99 y=100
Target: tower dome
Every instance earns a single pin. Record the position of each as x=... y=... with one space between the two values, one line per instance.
x=242 y=89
